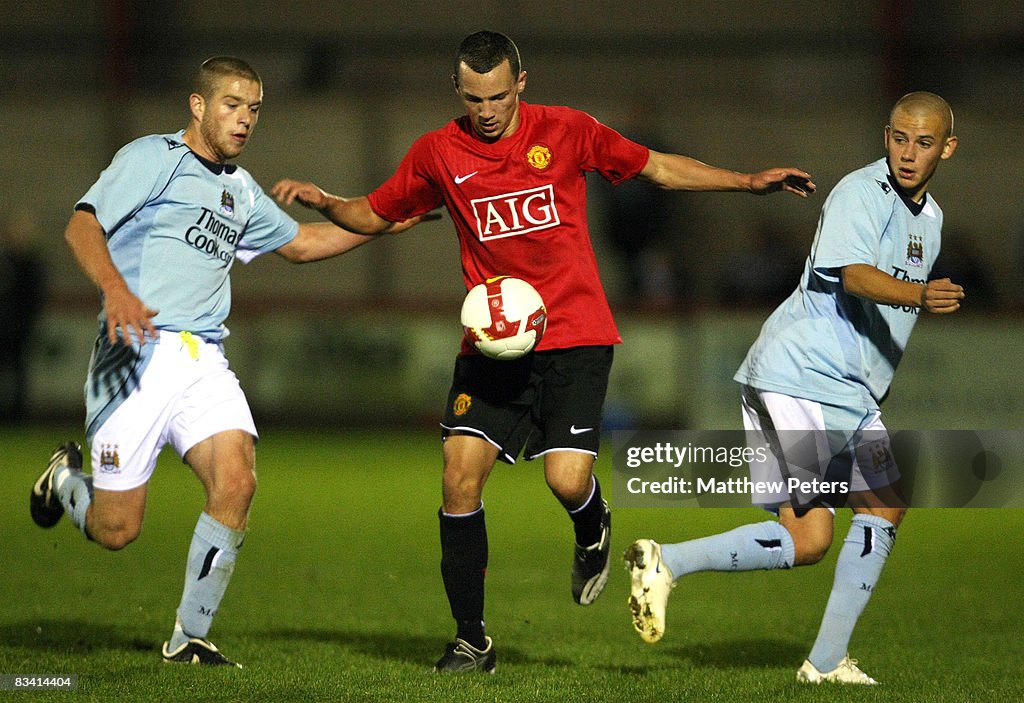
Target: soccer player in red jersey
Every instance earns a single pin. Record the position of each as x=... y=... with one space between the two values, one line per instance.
x=512 y=176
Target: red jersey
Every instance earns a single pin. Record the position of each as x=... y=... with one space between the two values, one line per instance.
x=520 y=209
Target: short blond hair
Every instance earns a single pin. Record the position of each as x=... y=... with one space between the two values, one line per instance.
x=214 y=69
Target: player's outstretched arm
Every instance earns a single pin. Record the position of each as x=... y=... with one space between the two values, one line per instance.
x=938 y=296
x=352 y=214
x=676 y=172
x=322 y=240
x=125 y=311
x=791 y=180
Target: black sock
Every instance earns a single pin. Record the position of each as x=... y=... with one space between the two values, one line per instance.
x=463 y=567
x=472 y=631
x=587 y=519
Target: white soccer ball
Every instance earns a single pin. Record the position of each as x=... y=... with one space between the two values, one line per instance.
x=504 y=317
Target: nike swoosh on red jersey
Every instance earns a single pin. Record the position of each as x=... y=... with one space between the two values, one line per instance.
x=463 y=179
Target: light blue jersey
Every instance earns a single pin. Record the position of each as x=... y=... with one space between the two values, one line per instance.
x=824 y=344
x=175 y=223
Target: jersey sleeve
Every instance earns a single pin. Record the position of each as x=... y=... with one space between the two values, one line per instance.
x=128 y=183
x=412 y=189
x=609 y=153
x=850 y=231
x=269 y=227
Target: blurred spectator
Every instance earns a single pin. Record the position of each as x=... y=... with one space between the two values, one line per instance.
x=636 y=220
x=765 y=270
x=23 y=287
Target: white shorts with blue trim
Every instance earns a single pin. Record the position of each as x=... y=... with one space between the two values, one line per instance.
x=185 y=394
x=816 y=453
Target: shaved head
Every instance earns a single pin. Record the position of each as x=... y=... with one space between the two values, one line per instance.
x=923 y=104
x=919 y=135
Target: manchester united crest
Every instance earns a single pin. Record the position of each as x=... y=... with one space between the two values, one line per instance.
x=539 y=156
x=462 y=404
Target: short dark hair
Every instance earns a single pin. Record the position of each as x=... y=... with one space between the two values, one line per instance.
x=217 y=67
x=482 y=51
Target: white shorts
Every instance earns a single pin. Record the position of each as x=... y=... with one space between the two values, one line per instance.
x=186 y=394
x=815 y=453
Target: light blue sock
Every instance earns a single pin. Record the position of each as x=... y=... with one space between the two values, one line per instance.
x=74 y=490
x=860 y=563
x=762 y=545
x=211 y=561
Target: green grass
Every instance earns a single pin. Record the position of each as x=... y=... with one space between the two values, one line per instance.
x=337 y=595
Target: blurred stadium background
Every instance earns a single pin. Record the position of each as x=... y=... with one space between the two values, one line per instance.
x=368 y=339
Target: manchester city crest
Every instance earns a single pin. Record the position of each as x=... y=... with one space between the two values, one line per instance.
x=227 y=203
x=110 y=461
x=915 y=250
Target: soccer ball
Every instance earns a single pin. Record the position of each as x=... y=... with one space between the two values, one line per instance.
x=504 y=318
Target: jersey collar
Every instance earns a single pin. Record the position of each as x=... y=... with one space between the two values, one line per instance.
x=915 y=208
x=214 y=167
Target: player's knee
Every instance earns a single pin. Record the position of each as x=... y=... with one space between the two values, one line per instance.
x=464 y=485
x=114 y=536
x=461 y=491
x=570 y=488
x=810 y=549
x=235 y=488
x=460 y=471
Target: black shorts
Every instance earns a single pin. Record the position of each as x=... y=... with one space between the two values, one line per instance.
x=548 y=400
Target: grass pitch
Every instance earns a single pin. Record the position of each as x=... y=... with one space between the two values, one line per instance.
x=337 y=595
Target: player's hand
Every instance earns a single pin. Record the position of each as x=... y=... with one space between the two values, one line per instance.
x=942 y=296
x=399 y=227
x=792 y=180
x=126 y=314
x=305 y=193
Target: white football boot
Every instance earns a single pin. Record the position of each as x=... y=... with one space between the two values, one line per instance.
x=846 y=672
x=651 y=584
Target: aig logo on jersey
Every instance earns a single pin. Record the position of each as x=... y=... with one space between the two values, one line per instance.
x=516 y=213
x=915 y=251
